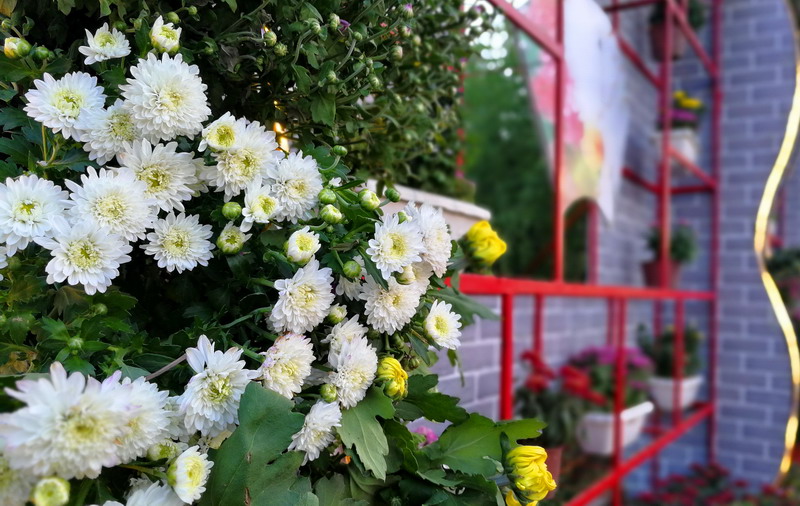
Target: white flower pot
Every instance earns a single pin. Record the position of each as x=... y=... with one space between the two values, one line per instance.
x=595 y=431
x=661 y=390
x=458 y=214
x=684 y=140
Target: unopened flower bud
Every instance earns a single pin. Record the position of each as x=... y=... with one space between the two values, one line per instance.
x=314 y=26
x=339 y=150
x=41 y=53
x=165 y=37
x=327 y=196
x=373 y=334
x=191 y=10
x=137 y=23
x=416 y=40
x=402 y=216
x=351 y=269
x=270 y=38
x=392 y=194
x=172 y=17
x=398 y=341
x=302 y=245
x=357 y=35
x=331 y=77
x=397 y=53
x=50 y=492
x=406 y=276
x=405 y=32
x=166 y=449
x=393 y=378
x=280 y=49
x=375 y=82
x=369 y=201
x=331 y=214
x=414 y=362
x=231 y=239
x=231 y=210
x=98 y=309
x=334 y=21
x=75 y=343
x=120 y=25
x=336 y=313
x=15 y=47
x=6 y=24
x=328 y=393
x=407 y=11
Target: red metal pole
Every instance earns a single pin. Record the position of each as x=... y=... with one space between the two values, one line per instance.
x=611 y=321
x=677 y=366
x=538 y=324
x=664 y=208
x=619 y=395
x=558 y=156
x=507 y=357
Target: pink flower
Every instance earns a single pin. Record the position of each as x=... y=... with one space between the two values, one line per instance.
x=430 y=436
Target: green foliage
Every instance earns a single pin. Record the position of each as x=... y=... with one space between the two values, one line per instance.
x=695 y=12
x=661 y=350
x=601 y=364
x=361 y=429
x=682 y=246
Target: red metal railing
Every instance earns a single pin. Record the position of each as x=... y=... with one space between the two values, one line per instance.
x=618 y=297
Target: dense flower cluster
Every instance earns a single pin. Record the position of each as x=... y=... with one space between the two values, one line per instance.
x=142 y=204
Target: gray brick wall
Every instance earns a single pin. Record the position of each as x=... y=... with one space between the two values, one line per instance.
x=754 y=382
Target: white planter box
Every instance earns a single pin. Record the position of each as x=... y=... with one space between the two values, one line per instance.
x=458 y=214
x=684 y=140
x=662 y=392
x=596 y=430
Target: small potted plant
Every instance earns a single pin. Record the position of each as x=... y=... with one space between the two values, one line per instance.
x=696 y=15
x=661 y=352
x=557 y=400
x=684 y=120
x=595 y=429
x=682 y=249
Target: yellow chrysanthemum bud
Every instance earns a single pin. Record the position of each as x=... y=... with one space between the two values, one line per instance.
x=393 y=377
x=485 y=244
x=528 y=472
x=50 y=492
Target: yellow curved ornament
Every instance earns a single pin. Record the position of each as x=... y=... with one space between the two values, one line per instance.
x=760 y=244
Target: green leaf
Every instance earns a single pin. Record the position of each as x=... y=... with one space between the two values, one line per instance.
x=361 y=429
x=331 y=491
x=323 y=109
x=77 y=364
x=466 y=306
x=231 y=4
x=473 y=447
x=302 y=78
x=423 y=401
x=54 y=329
x=6 y=95
x=251 y=466
x=7 y=7
x=372 y=269
x=66 y=5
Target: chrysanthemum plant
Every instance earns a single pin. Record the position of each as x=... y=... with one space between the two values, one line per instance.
x=191 y=312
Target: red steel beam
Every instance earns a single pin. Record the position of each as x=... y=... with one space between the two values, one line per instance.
x=507 y=357
x=477 y=284
x=629 y=5
x=698 y=188
x=553 y=47
x=637 y=61
x=665 y=169
x=619 y=393
x=677 y=366
x=599 y=487
x=558 y=158
x=634 y=177
x=679 y=13
x=693 y=168
x=538 y=324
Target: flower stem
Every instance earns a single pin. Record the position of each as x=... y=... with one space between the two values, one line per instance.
x=166 y=368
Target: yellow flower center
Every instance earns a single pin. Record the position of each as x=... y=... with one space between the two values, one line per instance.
x=223 y=136
x=177 y=242
x=297 y=188
x=441 y=325
x=121 y=126
x=80 y=427
x=265 y=205
x=194 y=471
x=242 y=165
x=104 y=39
x=170 y=98
x=68 y=102
x=219 y=389
x=305 y=242
x=157 y=177
x=25 y=209
x=84 y=254
x=111 y=208
x=398 y=246
x=170 y=34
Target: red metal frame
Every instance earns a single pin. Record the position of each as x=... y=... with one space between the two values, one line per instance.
x=618 y=297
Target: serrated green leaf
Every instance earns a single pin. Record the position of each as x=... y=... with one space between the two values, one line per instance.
x=54 y=329
x=65 y=5
x=423 y=401
x=331 y=491
x=361 y=429
x=372 y=269
x=302 y=78
x=251 y=464
x=323 y=109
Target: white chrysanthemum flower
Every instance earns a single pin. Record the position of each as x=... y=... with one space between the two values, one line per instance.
x=287 y=363
x=302 y=245
x=15 y=485
x=435 y=236
x=176 y=425
x=3 y=259
x=422 y=276
x=355 y=367
x=247 y=162
x=28 y=206
x=188 y=474
x=317 y=431
x=104 y=45
x=105 y=132
x=442 y=325
x=303 y=300
x=259 y=206
x=154 y=495
x=336 y=313
x=222 y=134
x=84 y=254
x=116 y=201
x=169 y=176
x=395 y=246
x=389 y=309
x=180 y=242
x=211 y=401
x=60 y=104
x=296 y=183
x=350 y=288
x=149 y=421
x=232 y=239
x=167 y=97
x=165 y=37
x=70 y=426
x=343 y=332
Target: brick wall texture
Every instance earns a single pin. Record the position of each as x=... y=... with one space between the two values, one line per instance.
x=754 y=387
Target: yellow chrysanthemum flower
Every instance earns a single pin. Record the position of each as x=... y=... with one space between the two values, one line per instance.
x=528 y=472
x=393 y=377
